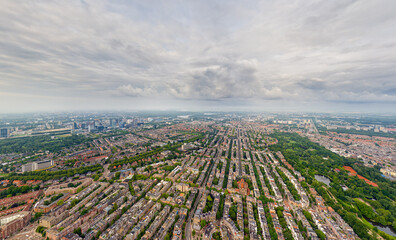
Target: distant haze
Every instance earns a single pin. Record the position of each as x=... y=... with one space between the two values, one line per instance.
x=282 y=55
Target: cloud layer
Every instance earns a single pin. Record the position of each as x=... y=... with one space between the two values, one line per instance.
x=57 y=55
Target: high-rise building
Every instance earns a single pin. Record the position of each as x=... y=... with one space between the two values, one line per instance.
x=4 y=133
x=91 y=128
x=37 y=165
x=43 y=164
x=113 y=122
x=27 y=167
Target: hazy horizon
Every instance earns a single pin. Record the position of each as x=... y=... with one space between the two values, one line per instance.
x=272 y=56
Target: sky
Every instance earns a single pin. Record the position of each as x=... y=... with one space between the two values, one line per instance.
x=284 y=55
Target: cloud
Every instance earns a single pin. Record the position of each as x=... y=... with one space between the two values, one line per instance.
x=224 y=79
x=312 y=84
x=128 y=90
x=226 y=52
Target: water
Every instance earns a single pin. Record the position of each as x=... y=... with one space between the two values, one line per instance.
x=389 y=177
x=323 y=179
x=386 y=229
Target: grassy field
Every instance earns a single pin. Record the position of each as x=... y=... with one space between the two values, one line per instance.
x=3 y=175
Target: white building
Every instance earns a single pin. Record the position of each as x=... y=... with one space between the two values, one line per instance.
x=37 y=165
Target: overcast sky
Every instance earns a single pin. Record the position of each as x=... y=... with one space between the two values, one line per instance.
x=285 y=55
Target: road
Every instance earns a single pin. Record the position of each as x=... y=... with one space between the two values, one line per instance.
x=225 y=232
x=194 y=207
x=239 y=153
x=106 y=171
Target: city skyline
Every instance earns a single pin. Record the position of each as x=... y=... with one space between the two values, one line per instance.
x=191 y=176
x=322 y=56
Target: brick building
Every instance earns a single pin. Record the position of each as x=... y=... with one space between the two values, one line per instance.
x=243 y=187
x=11 y=224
